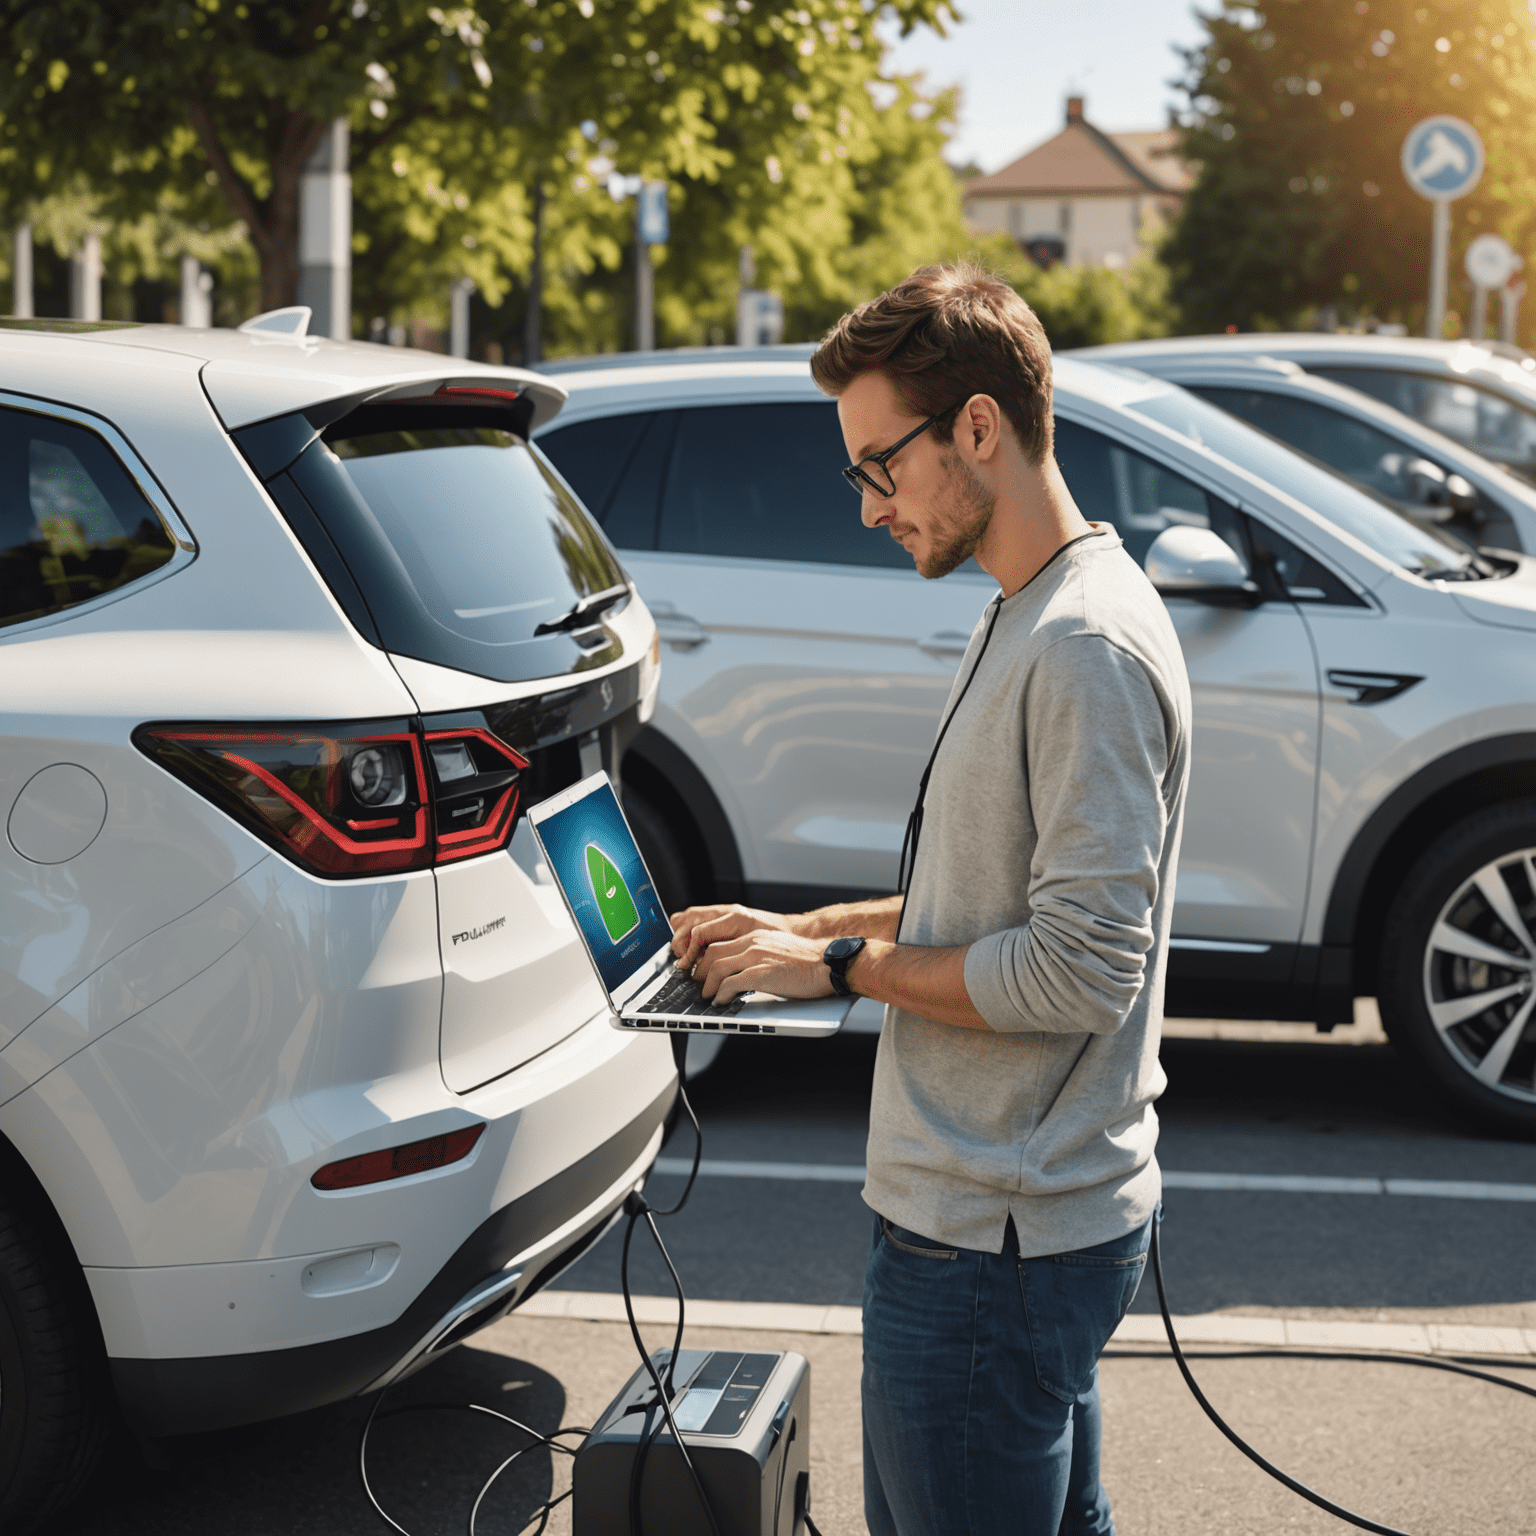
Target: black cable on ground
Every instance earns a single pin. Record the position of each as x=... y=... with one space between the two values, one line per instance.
x=1290 y=1482
x=1359 y=1357
x=551 y=1441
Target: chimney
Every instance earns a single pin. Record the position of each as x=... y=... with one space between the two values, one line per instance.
x=1074 y=110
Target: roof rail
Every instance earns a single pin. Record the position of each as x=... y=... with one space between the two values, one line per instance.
x=292 y=321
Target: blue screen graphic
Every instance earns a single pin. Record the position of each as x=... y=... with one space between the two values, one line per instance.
x=593 y=855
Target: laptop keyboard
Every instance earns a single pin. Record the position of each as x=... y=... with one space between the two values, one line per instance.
x=683 y=995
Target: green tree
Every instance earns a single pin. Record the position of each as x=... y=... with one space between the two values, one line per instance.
x=1296 y=115
x=479 y=104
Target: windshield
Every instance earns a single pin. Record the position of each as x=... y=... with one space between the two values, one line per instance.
x=1425 y=552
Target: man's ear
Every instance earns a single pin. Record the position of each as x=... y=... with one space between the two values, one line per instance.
x=980 y=426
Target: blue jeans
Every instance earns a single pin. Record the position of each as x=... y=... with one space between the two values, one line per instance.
x=981 y=1385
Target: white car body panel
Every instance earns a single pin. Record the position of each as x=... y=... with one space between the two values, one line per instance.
x=190 y=1024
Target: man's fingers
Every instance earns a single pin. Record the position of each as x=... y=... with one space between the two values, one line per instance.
x=728 y=926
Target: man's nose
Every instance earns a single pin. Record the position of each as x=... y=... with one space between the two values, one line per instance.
x=875 y=511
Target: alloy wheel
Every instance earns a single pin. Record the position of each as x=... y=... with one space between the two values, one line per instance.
x=1480 y=975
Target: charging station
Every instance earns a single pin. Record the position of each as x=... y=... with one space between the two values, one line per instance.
x=746 y=1421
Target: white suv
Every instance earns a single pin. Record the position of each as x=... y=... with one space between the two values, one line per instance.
x=1362 y=815
x=304 y=1074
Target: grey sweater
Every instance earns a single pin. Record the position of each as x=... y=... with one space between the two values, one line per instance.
x=1049 y=844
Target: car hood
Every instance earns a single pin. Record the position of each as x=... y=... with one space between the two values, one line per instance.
x=1508 y=602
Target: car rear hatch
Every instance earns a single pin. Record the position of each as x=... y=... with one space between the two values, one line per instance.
x=447 y=541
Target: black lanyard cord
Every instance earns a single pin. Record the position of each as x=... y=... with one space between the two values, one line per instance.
x=905 y=868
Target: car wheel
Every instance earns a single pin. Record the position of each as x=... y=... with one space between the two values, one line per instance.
x=1457 y=985
x=662 y=851
x=54 y=1401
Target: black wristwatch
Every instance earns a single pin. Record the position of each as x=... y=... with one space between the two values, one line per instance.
x=838 y=956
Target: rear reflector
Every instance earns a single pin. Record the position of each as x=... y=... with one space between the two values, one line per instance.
x=399 y=1162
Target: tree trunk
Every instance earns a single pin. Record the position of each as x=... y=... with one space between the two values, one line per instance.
x=273 y=222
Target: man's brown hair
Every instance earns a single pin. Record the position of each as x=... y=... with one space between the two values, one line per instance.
x=943 y=335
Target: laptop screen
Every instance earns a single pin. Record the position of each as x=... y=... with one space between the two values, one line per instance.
x=593 y=855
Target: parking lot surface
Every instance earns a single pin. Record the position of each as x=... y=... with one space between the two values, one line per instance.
x=1419 y=1449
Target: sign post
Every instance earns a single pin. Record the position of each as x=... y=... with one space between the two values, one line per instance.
x=1443 y=160
x=1490 y=263
x=652 y=227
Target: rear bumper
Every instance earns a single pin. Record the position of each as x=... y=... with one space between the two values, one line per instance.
x=535 y=1235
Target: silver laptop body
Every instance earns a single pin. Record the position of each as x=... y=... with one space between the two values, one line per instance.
x=597 y=868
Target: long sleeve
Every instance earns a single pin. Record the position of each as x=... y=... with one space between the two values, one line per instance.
x=1097 y=758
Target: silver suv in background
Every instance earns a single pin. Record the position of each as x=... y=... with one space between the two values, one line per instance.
x=1476 y=393
x=1361 y=815
x=1428 y=476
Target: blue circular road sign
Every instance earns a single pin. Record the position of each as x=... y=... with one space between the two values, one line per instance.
x=1442 y=158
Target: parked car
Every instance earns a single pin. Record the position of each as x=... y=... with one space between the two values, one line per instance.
x=303 y=1078
x=1482 y=394
x=1361 y=816
x=1429 y=477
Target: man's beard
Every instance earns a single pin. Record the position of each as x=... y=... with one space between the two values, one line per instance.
x=960 y=523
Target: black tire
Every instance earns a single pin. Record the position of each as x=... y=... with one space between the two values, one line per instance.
x=54 y=1397
x=662 y=850
x=1469 y=900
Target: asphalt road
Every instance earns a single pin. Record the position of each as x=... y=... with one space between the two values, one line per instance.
x=1437 y=1455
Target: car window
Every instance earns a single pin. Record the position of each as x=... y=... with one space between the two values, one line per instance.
x=764 y=482
x=1349 y=445
x=1493 y=425
x=592 y=455
x=1424 y=551
x=1113 y=484
x=465 y=546
x=73 y=522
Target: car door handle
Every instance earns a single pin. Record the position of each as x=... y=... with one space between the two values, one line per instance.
x=948 y=642
x=676 y=628
x=1372 y=687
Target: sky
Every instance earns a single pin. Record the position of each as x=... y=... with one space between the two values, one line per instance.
x=1018 y=60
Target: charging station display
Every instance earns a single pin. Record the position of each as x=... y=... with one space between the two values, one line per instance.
x=604 y=879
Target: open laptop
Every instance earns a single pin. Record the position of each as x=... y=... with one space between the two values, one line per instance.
x=597 y=867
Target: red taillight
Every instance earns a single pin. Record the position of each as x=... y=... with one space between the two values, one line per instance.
x=469 y=391
x=474 y=810
x=340 y=800
x=351 y=800
x=399 y=1162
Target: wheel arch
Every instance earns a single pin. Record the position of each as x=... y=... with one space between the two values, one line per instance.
x=656 y=766
x=1472 y=777
x=18 y=1177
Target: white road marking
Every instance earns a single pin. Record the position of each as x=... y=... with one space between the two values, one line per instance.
x=1275 y=1183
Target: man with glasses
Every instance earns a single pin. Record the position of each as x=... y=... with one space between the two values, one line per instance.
x=1011 y=1139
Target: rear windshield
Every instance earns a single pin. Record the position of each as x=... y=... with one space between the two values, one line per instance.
x=1420 y=550
x=467 y=549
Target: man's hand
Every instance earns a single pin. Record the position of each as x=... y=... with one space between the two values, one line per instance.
x=696 y=929
x=766 y=960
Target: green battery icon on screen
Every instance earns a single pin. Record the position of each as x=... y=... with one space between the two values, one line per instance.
x=620 y=915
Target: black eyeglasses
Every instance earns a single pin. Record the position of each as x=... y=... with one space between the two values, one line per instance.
x=858 y=477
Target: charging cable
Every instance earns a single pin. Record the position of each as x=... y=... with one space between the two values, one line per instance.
x=639 y=1209
x=542 y=1513
x=1337 y=1510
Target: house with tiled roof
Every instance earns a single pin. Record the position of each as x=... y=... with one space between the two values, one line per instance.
x=1084 y=196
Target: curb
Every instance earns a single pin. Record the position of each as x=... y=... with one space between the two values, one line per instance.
x=1206 y=1328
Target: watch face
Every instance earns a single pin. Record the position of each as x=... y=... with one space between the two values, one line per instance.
x=842 y=949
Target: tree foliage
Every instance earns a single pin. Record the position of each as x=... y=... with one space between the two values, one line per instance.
x=1297 y=112
x=1297 y=117
x=755 y=113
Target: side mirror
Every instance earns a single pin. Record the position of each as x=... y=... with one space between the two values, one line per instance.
x=1199 y=564
x=1461 y=494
